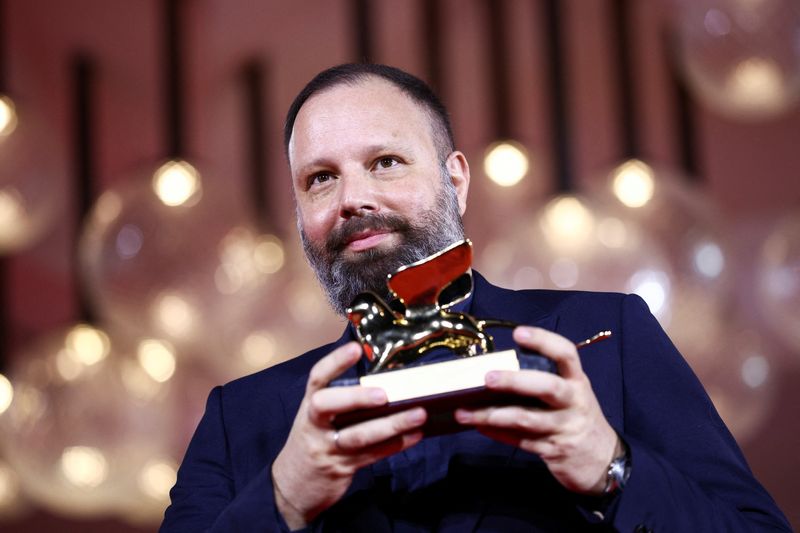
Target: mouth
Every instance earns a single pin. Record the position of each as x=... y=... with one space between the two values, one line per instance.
x=364 y=240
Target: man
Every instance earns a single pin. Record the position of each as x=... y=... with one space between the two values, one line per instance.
x=629 y=441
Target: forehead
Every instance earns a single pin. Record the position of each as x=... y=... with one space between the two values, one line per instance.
x=371 y=111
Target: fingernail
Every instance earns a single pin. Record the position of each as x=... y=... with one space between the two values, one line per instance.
x=524 y=333
x=417 y=416
x=492 y=378
x=465 y=417
x=377 y=396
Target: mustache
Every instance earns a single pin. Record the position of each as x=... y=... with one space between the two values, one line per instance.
x=338 y=238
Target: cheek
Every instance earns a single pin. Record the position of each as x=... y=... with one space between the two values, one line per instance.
x=315 y=224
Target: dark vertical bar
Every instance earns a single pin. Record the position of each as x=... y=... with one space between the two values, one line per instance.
x=173 y=79
x=361 y=13
x=83 y=81
x=5 y=280
x=253 y=76
x=621 y=32
x=558 y=89
x=686 y=129
x=3 y=37
x=498 y=57
x=5 y=315
x=431 y=22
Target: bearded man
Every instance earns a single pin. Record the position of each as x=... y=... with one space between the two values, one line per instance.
x=628 y=439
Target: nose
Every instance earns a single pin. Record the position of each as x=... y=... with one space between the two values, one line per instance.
x=357 y=195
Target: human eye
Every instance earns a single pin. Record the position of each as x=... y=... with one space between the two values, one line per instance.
x=387 y=161
x=319 y=178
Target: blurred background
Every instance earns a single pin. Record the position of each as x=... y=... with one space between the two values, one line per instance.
x=147 y=237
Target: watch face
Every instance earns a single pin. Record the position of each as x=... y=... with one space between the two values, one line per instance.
x=618 y=472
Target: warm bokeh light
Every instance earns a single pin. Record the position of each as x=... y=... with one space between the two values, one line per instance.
x=757 y=82
x=246 y=258
x=177 y=183
x=108 y=207
x=633 y=183
x=87 y=345
x=8 y=116
x=259 y=349
x=612 y=232
x=10 y=493
x=174 y=314
x=12 y=213
x=268 y=254
x=567 y=223
x=506 y=163
x=157 y=358
x=6 y=393
x=157 y=478
x=84 y=466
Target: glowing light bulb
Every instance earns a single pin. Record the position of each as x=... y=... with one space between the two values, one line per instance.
x=268 y=254
x=87 y=345
x=157 y=358
x=8 y=116
x=258 y=349
x=175 y=315
x=12 y=213
x=633 y=183
x=653 y=286
x=756 y=82
x=177 y=183
x=567 y=223
x=84 y=466
x=6 y=393
x=506 y=163
x=612 y=232
x=709 y=259
x=157 y=478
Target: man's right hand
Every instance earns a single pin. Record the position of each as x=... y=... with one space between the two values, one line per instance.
x=315 y=467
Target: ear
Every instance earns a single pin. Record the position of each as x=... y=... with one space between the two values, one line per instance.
x=458 y=168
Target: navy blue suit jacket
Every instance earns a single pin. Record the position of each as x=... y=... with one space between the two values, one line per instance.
x=688 y=474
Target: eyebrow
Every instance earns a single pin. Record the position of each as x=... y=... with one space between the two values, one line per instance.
x=326 y=162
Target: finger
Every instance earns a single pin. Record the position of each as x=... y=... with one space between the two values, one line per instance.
x=553 y=390
x=541 y=446
x=386 y=448
x=358 y=438
x=330 y=401
x=532 y=422
x=332 y=365
x=552 y=345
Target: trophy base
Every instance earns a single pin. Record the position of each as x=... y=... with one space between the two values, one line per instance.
x=443 y=387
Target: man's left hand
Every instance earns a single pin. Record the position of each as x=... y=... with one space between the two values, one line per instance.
x=571 y=435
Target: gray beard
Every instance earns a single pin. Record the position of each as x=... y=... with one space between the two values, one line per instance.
x=342 y=279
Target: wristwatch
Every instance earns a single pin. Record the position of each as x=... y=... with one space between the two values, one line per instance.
x=619 y=470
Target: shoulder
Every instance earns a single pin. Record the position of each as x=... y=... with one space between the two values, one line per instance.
x=548 y=301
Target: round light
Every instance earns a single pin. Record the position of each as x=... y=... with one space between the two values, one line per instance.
x=87 y=345
x=175 y=315
x=633 y=183
x=177 y=183
x=157 y=478
x=259 y=349
x=84 y=466
x=506 y=163
x=8 y=116
x=157 y=359
x=6 y=393
x=567 y=223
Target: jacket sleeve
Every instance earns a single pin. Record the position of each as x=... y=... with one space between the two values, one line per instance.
x=205 y=497
x=688 y=473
